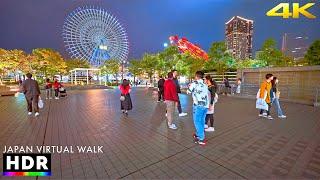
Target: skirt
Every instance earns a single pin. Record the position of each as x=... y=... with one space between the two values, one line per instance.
x=127 y=103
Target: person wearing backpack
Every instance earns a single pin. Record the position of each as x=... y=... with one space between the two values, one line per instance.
x=201 y=102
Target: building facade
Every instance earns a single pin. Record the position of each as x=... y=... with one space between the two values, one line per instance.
x=238 y=34
x=294 y=45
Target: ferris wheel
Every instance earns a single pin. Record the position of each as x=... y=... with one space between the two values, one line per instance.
x=94 y=35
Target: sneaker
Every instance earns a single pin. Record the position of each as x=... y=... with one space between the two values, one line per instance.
x=264 y=114
x=182 y=114
x=46 y=98
x=202 y=142
x=172 y=126
x=29 y=113
x=195 y=138
x=269 y=117
x=282 y=116
x=56 y=98
x=260 y=115
x=37 y=114
x=158 y=101
x=166 y=115
x=210 y=129
x=206 y=126
x=122 y=111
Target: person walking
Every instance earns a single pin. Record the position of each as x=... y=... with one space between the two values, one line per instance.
x=265 y=93
x=56 y=87
x=125 y=99
x=48 y=88
x=227 y=86
x=175 y=79
x=238 y=90
x=171 y=99
x=32 y=93
x=201 y=101
x=160 y=89
x=212 y=87
x=276 y=96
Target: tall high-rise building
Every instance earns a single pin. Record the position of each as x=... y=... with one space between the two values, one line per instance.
x=295 y=45
x=239 y=33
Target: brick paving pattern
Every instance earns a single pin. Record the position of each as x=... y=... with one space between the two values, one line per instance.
x=141 y=146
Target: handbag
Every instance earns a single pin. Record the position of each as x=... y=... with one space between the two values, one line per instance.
x=261 y=104
x=122 y=98
x=40 y=103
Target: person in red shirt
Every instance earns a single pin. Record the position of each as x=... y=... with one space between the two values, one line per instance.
x=171 y=99
x=56 y=85
x=125 y=99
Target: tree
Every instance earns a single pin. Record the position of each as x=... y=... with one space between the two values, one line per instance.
x=219 y=58
x=48 y=62
x=111 y=66
x=271 y=54
x=189 y=65
x=76 y=63
x=313 y=53
x=149 y=64
x=135 y=68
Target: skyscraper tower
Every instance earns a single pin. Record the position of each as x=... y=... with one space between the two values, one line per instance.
x=239 y=33
x=295 y=45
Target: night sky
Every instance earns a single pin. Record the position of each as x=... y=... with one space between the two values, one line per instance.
x=29 y=24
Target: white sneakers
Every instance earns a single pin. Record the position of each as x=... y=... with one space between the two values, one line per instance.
x=56 y=98
x=172 y=126
x=183 y=114
x=282 y=116
x=210 y=129
x=29 y=113
x=36 y=114
x=206 y=126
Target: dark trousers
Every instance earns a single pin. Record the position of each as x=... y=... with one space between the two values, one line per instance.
x=179 y=106
x=269 y=109
x=56 y=92
x=33 y=100
x=209 y=117
x=160 y=94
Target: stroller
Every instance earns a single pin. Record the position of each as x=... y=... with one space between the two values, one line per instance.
x=62 y=92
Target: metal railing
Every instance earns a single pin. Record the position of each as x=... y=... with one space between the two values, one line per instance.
x=309 y=96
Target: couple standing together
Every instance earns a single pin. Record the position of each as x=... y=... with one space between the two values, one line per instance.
x=201 y=103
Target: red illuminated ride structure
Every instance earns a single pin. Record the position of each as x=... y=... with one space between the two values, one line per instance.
x=186 y=46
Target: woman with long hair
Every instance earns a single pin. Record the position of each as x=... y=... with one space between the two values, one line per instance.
x=276 y=96
x=125 y=99
x=212 y=86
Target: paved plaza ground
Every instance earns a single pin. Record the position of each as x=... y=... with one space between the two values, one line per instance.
x=141 y=146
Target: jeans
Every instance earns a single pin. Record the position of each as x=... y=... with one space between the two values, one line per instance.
x=199 y=117
x=277 y=106
x=48 y=93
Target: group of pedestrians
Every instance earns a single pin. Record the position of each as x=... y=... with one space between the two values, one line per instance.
x=30 y=88
x=56 y=87
x=204 y=97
